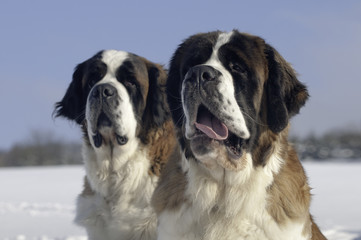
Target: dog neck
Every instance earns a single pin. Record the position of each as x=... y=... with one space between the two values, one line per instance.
x=116 y=175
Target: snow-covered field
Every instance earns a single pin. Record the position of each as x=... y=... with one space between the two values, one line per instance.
x=39 y=203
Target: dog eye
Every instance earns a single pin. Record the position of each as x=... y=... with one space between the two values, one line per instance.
x=91 y=83
x=237 y=68
x=130 y=84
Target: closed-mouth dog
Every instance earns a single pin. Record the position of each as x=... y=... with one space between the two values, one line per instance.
x=119 y=100
x=231 y=96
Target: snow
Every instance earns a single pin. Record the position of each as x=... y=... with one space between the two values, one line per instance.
x=336 y=198
x=38 y=203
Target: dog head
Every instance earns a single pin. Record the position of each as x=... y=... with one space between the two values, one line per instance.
x=116 y=96
x=225 y=90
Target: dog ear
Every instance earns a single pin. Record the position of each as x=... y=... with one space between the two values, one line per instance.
x=72 y=106
x=157 y=98
x=285 y=93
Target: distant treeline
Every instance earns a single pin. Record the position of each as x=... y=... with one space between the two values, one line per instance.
x=341 y=144
x=43 y=148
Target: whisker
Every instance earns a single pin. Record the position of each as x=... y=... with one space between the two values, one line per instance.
x=81 y=115
x=175 y=109
x=175 y=97
x=252 y=119
x=180 y=119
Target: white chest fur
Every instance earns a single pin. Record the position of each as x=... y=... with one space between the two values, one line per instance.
x=120 y=207
x=234 y=208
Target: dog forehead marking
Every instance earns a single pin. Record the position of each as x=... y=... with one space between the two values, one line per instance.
x=114 y=59
x=223 y=38
x=214 y=61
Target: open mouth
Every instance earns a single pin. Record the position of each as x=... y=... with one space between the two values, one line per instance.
x=210 y=126
x=105 y=132
x=103 y=121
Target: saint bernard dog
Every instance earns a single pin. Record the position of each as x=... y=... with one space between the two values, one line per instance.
x=119 y=100
x=231 y=96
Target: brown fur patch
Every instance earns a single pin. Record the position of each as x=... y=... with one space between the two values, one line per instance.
x=316 y=233
x=170 y=193
x=264 y=148
x=162 y=142
x=290 y=193
x=232 y=164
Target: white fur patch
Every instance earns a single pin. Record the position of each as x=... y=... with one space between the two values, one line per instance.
x=114 y=59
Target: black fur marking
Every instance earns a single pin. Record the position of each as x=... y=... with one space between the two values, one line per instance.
x=127 y=76
x=157 y=97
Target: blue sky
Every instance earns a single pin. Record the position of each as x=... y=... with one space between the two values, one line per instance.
x=42 y=41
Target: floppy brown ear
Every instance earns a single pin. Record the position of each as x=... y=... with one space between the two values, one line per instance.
x=72 y=106
x=285 y=93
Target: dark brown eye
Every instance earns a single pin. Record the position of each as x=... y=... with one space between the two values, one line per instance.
x=237 y=68
x=91 y=83
x=130 y=84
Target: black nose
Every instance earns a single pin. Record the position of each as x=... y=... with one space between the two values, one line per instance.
x=105 y=90
x=204 y=73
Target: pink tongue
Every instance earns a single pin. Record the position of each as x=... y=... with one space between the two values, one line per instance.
x=211 y=126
